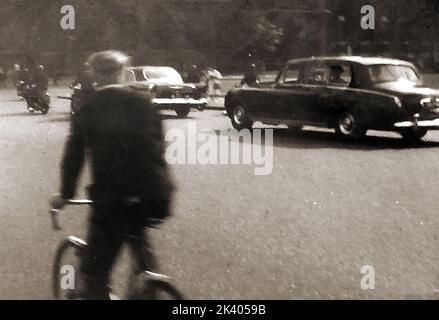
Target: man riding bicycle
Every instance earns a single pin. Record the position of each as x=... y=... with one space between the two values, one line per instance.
x=121 y=134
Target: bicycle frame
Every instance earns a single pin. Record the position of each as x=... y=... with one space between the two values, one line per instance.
x=150 y=281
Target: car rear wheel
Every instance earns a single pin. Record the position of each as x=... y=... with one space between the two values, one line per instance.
x=182 y=112
x=239 y=118
x=348 y=126
x=414 y=135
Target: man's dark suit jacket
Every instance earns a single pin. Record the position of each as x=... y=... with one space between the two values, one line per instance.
x=120 y=133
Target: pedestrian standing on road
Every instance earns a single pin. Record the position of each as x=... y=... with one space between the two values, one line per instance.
x=122 y=134
x=213 y=83
x=194 y=75
x=251 y=77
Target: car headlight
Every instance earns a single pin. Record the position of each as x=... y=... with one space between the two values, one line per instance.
x=430 y=103
x=153 y=90
x=425 y=102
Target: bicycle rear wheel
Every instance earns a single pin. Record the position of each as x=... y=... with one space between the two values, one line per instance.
x=66 y=283
x=152 y=286
x=160 y=290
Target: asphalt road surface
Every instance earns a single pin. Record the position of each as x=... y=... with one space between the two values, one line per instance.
x=304 y=232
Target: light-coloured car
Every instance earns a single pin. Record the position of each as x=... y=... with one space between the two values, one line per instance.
x=167 y=88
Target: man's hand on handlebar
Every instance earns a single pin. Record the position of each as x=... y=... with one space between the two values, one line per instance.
x=58 y=202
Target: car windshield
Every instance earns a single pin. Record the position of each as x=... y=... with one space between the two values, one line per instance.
x=154 y=74
x=162 y=74
x=392 y=73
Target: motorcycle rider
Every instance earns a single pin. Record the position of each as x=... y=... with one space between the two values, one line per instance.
x=39 y=84
x=84 y=79
x=24 y=79
x=82 y=88
x=40 y=79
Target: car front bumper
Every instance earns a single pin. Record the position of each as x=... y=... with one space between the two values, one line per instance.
x=172 y=103
x=427 y=124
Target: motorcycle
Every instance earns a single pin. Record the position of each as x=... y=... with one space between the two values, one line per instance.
x=21 y=89
x=36 y=99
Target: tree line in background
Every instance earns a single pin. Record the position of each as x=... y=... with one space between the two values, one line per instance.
x=165 y=32
x=224 y=34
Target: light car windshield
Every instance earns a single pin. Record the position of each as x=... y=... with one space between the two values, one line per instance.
x=392 y=73
x=162 y=74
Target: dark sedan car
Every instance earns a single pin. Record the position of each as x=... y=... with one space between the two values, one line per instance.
x=350 y=94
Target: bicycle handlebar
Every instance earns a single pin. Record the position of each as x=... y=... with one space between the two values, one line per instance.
x=82 y=202
x=72 y=202
x=79 y=202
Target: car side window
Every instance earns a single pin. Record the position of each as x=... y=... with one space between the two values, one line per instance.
x=129 y=76
x=339 y=74
x=317 y=73
x=291 y=74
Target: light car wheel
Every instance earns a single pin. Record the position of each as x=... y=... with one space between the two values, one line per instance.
x=240 y=119
x=348 y=126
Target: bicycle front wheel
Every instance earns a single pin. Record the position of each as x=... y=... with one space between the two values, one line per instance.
x=66 y=282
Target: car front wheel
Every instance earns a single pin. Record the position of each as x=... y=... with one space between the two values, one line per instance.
x=183 y=112
x=239 y=118
x=348 y=126
x=414 y=135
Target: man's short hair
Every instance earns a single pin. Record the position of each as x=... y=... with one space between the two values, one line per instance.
x=107 y=63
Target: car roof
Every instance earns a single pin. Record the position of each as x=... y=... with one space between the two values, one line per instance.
x=355 y=59
x=149 y=67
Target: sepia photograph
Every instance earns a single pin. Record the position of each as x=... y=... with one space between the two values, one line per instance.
x=219 y=150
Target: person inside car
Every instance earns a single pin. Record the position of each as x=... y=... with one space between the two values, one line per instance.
x=335 y=77
x=122 y=134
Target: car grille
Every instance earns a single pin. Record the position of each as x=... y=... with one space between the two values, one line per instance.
x=430 y=104
x=174 y=93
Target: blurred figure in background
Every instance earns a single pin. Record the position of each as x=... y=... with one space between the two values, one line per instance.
x=15 y=75
x=251 y=77
x=83 y=79
x=40 y=78
x=82 y=88
x=213 y=78
x=194 y=75
x=2 y=77
x=24 y=79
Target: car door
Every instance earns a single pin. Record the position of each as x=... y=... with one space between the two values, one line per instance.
x=314 y=82
x=336 y=93
x=340 y=92
x=290 y=95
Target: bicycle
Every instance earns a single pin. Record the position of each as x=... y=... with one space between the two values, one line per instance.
x=145 y=285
